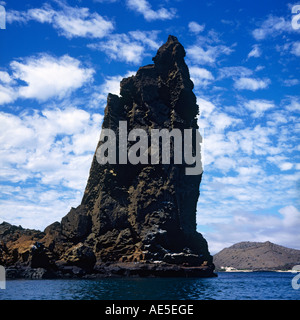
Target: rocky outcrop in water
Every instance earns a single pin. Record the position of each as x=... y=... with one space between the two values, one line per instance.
x=135 y=216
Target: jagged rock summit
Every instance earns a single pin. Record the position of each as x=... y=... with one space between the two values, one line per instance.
x=137 y=219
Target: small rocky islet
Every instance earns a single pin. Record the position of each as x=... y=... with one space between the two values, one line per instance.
x=134 y=220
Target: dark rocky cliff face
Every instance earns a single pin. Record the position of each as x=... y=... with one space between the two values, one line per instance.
x=144 y=212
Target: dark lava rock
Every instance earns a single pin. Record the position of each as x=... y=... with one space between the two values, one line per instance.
x=29 y=273
x=143 y=213
x=76 y=224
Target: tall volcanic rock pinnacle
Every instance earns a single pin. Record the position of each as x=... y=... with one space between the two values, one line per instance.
x=140 y=216
x=148 y=212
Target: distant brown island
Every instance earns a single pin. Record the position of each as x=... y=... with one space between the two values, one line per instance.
x=256 y=256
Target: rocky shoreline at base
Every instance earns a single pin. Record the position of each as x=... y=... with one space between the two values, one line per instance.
x=113 y=270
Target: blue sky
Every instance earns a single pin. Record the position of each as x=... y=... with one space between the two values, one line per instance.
x=59 y=59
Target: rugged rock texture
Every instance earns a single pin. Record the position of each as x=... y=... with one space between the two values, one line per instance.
x=147 y=212
x=257 y=256
x=138 y=213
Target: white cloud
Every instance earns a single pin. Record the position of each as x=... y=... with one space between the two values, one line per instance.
x=200 y=76
x=69 y=21
x=225 y=135
x=256 y=141
x=54 y=148
x=80 y=23
x=248 y=165
x=272 y=26
x=13 y=133
x=294 y=105
x=217 y=145
x=276 y=159
x=280 y=228
x=234 y=72
x=296 y=48
x=7 y=94
x=225 y=164
x=255 y=52
x=35 y=215
x=16 y=16
x=242 y=80
x=286 y=166
x=195 y=27
x=206 y=107
x=291 y=216
x=251 y=84
x=111 y=84
x=130 y=48
x=45 y=77
x=291 y=82
x=221 y=121
x=144 y=7
x=148 y=38
x=43 y=15
x=208 y=55
x=236 y=170
x=259 y=106
x=5 y=77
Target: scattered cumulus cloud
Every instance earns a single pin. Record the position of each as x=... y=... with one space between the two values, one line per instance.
x=68 y=21
x=248 y=226
x=144 y=7
x=286 y=166
x=259 y=106
x=271 y=27
x=44 y=76
x=243 y=78
x=234 y=72
x=54 y=147
x=5 y=77
x=207 y=54
x=255 y=52
x=111 y=84
x=7 y=94
x=248 y=165
x=294 y=105
x=201 y=76
x=296 y=48
x=195 y=27
x=130 y=48
x=291 y=82
x=251 y=83
x=47 y=76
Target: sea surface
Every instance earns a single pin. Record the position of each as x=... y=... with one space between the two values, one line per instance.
x=228 y=285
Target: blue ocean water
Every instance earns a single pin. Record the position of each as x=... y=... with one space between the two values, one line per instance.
x=233 y=286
